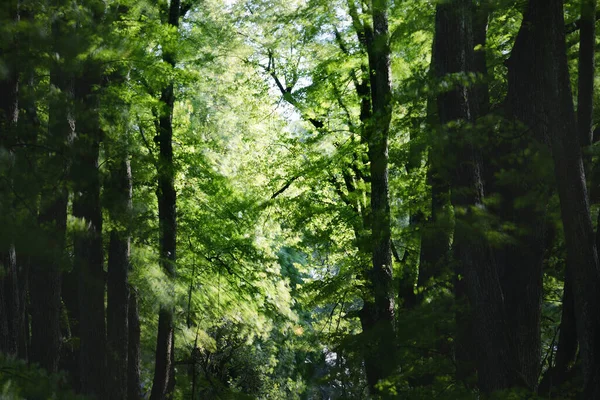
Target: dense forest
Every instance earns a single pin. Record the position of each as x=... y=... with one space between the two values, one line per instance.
x=299 y=199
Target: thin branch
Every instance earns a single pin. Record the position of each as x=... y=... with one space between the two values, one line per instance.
x=285 y=187
x=286 y=92
x=343 y=106
x=146 y=143
x=338 y=189
x=359 y=27
x=576 y=25
x=340 y=41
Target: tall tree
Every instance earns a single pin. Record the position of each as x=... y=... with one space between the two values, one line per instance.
x=45 y=277
x=538 y=67
x=370 y=207
x=10 y=297
x=454 y=60
x=164 y=375
x=378 y=128
x=88 y=250
x=117 y=280
x=134 y=387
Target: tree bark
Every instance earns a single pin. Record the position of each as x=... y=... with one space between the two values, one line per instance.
x=117 y=283
x=435 y=230
x=134 y=359
x=45 y=281
x=539 y=65
x=164 y=372
x=454 y=57
x=566 y=352
x=88 y=250
x=9 y=303
x=10 y=298
x=382 y=309
x=27 y=187
x=45 y=277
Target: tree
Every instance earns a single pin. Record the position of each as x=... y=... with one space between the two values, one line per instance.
x=546 y=77
x=117 y=311
x=10 y=315
x=381 y=311
x=164 y=373
x=458 y=106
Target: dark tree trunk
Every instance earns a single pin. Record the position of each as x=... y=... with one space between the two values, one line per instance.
x=566 y=352
x=520 y=258
x=435 y=230
x=134 y=385
x=10 y=307
x=539 y=65
x=382 y=359
x=524 y=205
x=464 y=351
x=164 y=372
x=567 y=338
x=118 y=197
x=522 y=287
x=88 y=251
x=9 y=303
x=164 y=356
x=27 y=186
x=454 y=55
x=45 y=281
x=69 y=360
x=117 y=284
x=45 y=274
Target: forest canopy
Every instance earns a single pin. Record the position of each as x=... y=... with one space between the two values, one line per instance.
x=301 y=199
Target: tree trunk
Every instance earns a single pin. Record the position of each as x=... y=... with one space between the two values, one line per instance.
x=45 y=276
x=566 y=352
x=27 y=186
x=454 y=55
x=382 y=309
x=45 y=281
x=522 y=287
x=10 y=306
x=9 y=303
x=69 y=360
x=539 y=65
x=134 y=384
x=435 y=230
x=163 y=368
x=117 y=283
x=88 y=251
x=164 y=371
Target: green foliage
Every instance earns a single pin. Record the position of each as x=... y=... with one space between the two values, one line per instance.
x=272 y=185
x=18 y=381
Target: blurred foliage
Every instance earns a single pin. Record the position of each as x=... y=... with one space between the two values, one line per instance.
x=18 y=381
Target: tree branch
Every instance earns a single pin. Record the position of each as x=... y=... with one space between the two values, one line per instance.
x=575 y=25
x=285 y=187
x=338 y=189
x=286 y=92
